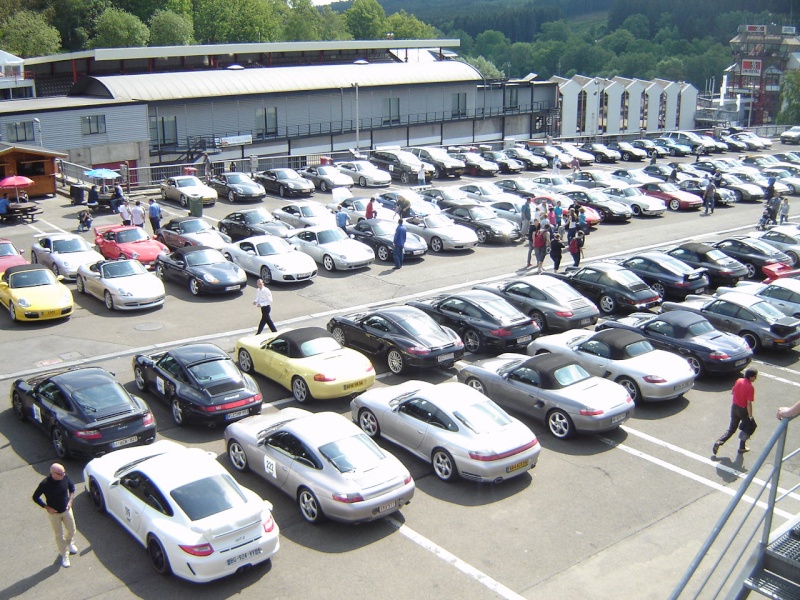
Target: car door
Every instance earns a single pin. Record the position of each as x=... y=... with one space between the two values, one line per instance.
x=49 y=404
x=277 y=458
x=723 y=315
x=375 y=330
x=175 y=267
x=237 y=227
x=165 y=377
x=247 y=257
x=273 y=361
x=521 y=390
x=594 y=356
x=452 y=312
x=93 y=281
x=785 y=300
x=662 y=335
x=587 y=282
x=308 y=244
x=170 y=235
x=128 y=503
x=410 y=423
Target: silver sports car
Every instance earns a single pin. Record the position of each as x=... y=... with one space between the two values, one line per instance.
x=121 y=284
x=305 y=214
x=364 y=173
x=63 y=253
x=271 y=258
x=441 y=233
x=332 y=248
x=458 y=430
x=553 y=389
x=323 y=461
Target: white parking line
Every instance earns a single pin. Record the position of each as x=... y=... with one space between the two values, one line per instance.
x=467 y=569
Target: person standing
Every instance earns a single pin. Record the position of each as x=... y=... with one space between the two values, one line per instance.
x=154 y=215
x=137 y=214
x=371 y=212
x=653 y=157
x=264 y=302
x=525 y=216
x=572 y=223
x=541 y=245
x=421 y=175
x=709 y=197
x=743 y=395
x=556 y=248
x=534 y=228
x=341 y=218
x=575 y=247
x=556 y=165
x=125 y=212
x=559 y=210
x=399 y=244
x=59 y=492
x=783 y=211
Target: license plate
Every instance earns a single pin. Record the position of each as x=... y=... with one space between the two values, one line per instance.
x=523 y=339
x=125 y=442
x=682 y=386
x=739 y=363
x=701 y=291
x=586 y=321
x=517 y=466
x=350 y=386
x=237 y=413
x=232 y=288
x=50 y=313
x=445 y=357
x=618 y=418
x=418 y=252
x=243 y=557
x=385 y=507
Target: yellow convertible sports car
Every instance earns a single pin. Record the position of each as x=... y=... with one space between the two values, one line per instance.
x=307 y=361
x=34 y=293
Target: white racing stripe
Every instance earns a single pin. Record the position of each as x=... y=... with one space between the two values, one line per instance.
x=467 y=569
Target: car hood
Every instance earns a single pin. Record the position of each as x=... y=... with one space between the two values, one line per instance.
x=249 y=188
x=43 y=296
x=277 y=228
x=348 y=248
x=226 y=272
x=77 y=259
x=598 y=393
x=292 y=261
x=145 y=284
x=725 y=342
x=13 y=261
x=344 y=363
x=147 y=250
x=198 y=190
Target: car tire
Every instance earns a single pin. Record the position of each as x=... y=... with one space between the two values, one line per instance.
x=282 y=191
x=237 y=456
x=631 y=387
x=339 y=335
x=300 y=390
x=12 y=311
x=384 y=253
x=672 y=152
x=444 y=467
x=139 y=379
x=266 y=275
x=696 y=364
x=309 y=506
x=659 y=289
x=245 y=361
x=560 y=424
x=674 y=204
x=636 y=210
x=472 y=341
x=158 y=556
x=607 y=304
x=795 y=259
x=362 y=181
x=34 y=258
x=176 y=410
x=164 y=195
x=59 y=439
x=476 y=384
x=194 y=286
x=323 y=187
x=231 y=197
x=751 y=339
x=437 y=173
x=184 y=201
x=223 y=229
x=79 y=285
x=738 y=195
x=626 y=156
x=18 y=406
x=538 y=318
x=395 y=361
x=404 y=178
x=96 y=495
x=369 y=423
x=482 y=235
x=108 y=300
x=436 y=244
x=55 y=270
x=328 y=263
x=751 y=270
x=159 y=238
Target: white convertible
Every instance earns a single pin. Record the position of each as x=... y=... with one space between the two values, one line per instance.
x=331 y=247
x=121 y=284
x=63 y=253
x=271 y=258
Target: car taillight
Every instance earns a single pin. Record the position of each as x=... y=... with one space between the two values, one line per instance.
x=681 y=284
x=628 y=400
x=88 y=434
x=488 y=455
x=370 y=368
x=654 y=379
x=564 y=313
x=323 y=377
x=198 y=550
x=147 y=419
x=407 y=480
x=502 y=332
x=716 y=355
x=418 y=350
x=591 y=412
x=230 y=405
x=268 y=524
x=347 y=498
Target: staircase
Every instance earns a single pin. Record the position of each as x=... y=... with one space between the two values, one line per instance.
x=779 y=574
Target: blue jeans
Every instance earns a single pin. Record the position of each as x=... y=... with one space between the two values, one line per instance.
x=398 y=257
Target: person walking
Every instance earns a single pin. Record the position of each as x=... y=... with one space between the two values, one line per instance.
x=534 y=228
x=125 y=212
x=575 y=247
x=743 y=395
x=556 y=165
x=541 y=245
x=264 y=302
x=653 y=157
x=556 y=248
x=783 y=210
x=371 y=212
x=137 y=214
x=154 y=214
x=399 y=243
x=59 y=492
x=572 y=223
x=709 y=197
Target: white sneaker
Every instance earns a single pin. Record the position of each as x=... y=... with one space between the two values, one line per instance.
x=73 y=549
x=65 y=560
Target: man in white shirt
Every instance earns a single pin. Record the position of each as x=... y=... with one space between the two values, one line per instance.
x=264 y=302
x=125 y=213
x=137 y=214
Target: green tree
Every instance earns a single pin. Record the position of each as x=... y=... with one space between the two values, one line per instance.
x=409 y=27
x=119 y=29
x=27 y=34
x=671 y=68
x=522 y=59
x=617 y=41
x=638 y=25
x=212 y=21
x=467 y=41
x=486 y=67
x=142 y=9
x=333 y=25
x=366 y=20
x=790 y=99
x=255 y=21
x=555 y=31
x=181 y=7
x=170 y=29
x=76 y=20
x=303 y=22
x=494 y=46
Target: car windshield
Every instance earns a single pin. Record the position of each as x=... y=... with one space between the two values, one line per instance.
x=779 y=173
x=257 y=216
x=438 y=221
x=354 y=453
x=195 y=226
x=135 y=234
x=638 y=348
x=699 y=328
x=320 y=345
x=767 y=312
x=717 y=256
x=123 y=268
x=33 y=278
x=288 y=174
x=625 y=146
x=238 y=178
x=472 y=157
x=204 y=257
x=624 y=277
x=221 y=369
x=188 y=182
x=570 y=375
x=100 y=398
x=438 y=153
x=482 y=213
x=276 y=246
x=72 y=245
x=313 y=210
x=563 y=292
x=208 y=496
x=359 y=204
x=7 y=249
x=331 y=235
x=483 y=417
x=326 y=171
x=731 y=179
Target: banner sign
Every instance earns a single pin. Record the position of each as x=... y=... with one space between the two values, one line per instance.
x=751 y=67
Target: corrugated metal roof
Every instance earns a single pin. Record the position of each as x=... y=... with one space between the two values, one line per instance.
x=209 y=84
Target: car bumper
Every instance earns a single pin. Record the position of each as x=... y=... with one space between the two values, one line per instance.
x=371 y=509
x=221 y=288
x=605 y=422
x=128 y=439
x=727 y=366
x=137 y=303
x=342 y=266
x=503 y=238
x=495 y=471
x=292 y=277
x=23 y=314
x=519 y=342
x=781 y=343
x=328 y=390
x=441 y=358
x=650 y=212
x=451 y=245
x=239 y=196
x=222 y=417
x=665 y=391
x=574 y=322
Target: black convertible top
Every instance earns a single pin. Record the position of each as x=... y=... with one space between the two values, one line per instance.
x=698 y=247
x=546 y=365
x=297 y=337
x=617 y=340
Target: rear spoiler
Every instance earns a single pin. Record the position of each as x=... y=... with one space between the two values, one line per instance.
x=779 y=271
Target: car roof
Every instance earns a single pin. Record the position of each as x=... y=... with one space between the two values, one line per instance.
x=190 y=249
x=321 y=428
x=546 y=364
x=600 y=266
x=80 y=379
x=297 y=337
x=680 y=318
x=194 y=353
x=617 y=340
x=180 y=466
x=184 y=219
x=740 y=298
x=699 y=247
x=450 y=395
x=21 y=268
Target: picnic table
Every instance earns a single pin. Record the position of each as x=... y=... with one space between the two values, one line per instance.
x=21 y=211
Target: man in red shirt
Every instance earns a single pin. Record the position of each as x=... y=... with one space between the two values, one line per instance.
x=743 y=394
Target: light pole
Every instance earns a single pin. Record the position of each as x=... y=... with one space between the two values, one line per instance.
x=38 y=124
x=358 y=120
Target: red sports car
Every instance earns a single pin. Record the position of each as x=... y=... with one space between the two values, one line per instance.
x=674 y=197
x=128 y=241
x=9 y=255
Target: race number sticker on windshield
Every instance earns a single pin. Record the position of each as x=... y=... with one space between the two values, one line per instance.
x=160 y=385
x=269 y=466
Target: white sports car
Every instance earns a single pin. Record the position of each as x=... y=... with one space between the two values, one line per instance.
x=364 y=173
x=623 y=356
x=305 y=214
x=121 y=284
x=184 y=187
x=63 y=253
x=356 y=209
x=188 y=512
x=271 y=258
x=639 y=202
x=331 y=247
x=441 y=233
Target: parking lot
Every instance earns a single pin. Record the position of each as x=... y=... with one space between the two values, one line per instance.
x=606 y=516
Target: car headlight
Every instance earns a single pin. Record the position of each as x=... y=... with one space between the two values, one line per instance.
x=280 y=268
x=240 y=272
x=134 y=255
x=236 y=189
x=66 y=298
x=23 y=303
x=209 y=278
x=124 y=293
x=68 y=266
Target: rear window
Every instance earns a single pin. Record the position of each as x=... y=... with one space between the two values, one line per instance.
x=355 y=453
x=483 y=417
x=209 y=496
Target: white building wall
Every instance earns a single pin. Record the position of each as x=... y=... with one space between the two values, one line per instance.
x=569 y=107
x=688 y=99
x=613 y=97
x=653 y=99
x=672 y=90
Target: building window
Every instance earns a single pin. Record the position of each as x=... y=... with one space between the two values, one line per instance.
x=644 y=112
x=20 y=132
x=580 y=125
x=623 y=110
x=459 y=105
x=678 y=112
x=391 y=111
x=93 y=124
x=266 y=121
x=511 y=98
x=163 y=131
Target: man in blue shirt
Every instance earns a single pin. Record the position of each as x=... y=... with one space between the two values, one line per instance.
x=154 y=215
x=399 y=243
x=341 y=218
x=4 y=204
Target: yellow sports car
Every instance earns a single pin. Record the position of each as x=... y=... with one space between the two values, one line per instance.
x=34 y=293
x=307 y=361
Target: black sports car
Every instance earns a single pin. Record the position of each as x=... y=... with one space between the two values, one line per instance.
x=199 y=382
x=667 y=275
x=502 y=160
x=406 y=336
x=204 y=269
x=253 y=221
x=608 y=208
x=752 y=253
x=611 y=287
x=521 y=187
x=484 y=222
x=721 y=269
x=236 y=187
x=378 y=234
x=483 y=320
x=285 y=182
x=689 y=335
x=85 y=412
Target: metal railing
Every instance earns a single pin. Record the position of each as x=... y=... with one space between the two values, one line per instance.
x=747 y=523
